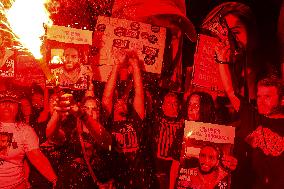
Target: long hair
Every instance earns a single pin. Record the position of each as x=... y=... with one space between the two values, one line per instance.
x=207 y=112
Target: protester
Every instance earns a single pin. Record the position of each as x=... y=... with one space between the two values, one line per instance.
x=199 y=107
x=18 y=141
x=235 y=52
x=259 y=139
x=125 y=113
x=167 y=123
x=64 y=133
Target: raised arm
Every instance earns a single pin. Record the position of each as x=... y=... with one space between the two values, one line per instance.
x=97 y=131
x=138 y=102
x=41 y=163
x=228 y=85
x=52 y=125
x=107 y=100
x=223 y=53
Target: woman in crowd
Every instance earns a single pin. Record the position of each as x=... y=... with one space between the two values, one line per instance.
x=235 y=53
x=18 y=141
x=199 y=107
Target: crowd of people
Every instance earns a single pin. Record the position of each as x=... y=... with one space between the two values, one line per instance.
x=128 y=132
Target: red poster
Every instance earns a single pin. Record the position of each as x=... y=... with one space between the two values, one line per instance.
x=205 y=70
x=201 y=165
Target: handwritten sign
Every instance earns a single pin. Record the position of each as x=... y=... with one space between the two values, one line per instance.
x=205 y=70
x=209 y=132
x=69 y=35
x=113 y=34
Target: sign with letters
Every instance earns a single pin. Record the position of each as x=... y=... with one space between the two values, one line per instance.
x=69 y=35
x=113 y=34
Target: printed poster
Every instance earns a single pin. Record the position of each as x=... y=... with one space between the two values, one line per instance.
x=201 y=167
x=206 y=74
x=114 y=34
x=60 y=38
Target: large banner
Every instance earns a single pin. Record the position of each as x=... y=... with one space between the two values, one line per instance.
x=204 y=145
x=113 y=34
x=206 y=74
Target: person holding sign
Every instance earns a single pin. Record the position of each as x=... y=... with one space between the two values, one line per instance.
x=125 y=113
x=259 y=139
x=199 y=107
x=235 y=51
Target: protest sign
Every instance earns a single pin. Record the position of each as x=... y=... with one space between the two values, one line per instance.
x=204 y=145
x=113 y=34
x=206 y=74
x=69 y=35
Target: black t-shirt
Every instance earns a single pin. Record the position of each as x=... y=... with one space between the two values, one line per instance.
x=132 y=168
x=259 y=148
x=164 y=134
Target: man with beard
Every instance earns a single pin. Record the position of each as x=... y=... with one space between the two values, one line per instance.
x=209 y=174
x=73 y=74
x=259 y=139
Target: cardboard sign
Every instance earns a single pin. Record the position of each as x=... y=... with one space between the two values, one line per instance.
x=69 y=35
x=113 y=34
x=205 y=70
x=209 y=132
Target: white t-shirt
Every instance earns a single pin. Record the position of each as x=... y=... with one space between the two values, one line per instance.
x=15 y=140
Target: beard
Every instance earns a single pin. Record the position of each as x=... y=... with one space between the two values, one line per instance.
x=212 y=169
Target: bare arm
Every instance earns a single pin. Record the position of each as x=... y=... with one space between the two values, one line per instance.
x=97 y=131
x=138 y=103
x=228 y=85
x=223 y=53
x=52 y=129
x=107 y=100
x=41 y=163
x=174 y=173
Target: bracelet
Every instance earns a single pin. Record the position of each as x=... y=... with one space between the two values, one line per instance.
x=219 y=61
